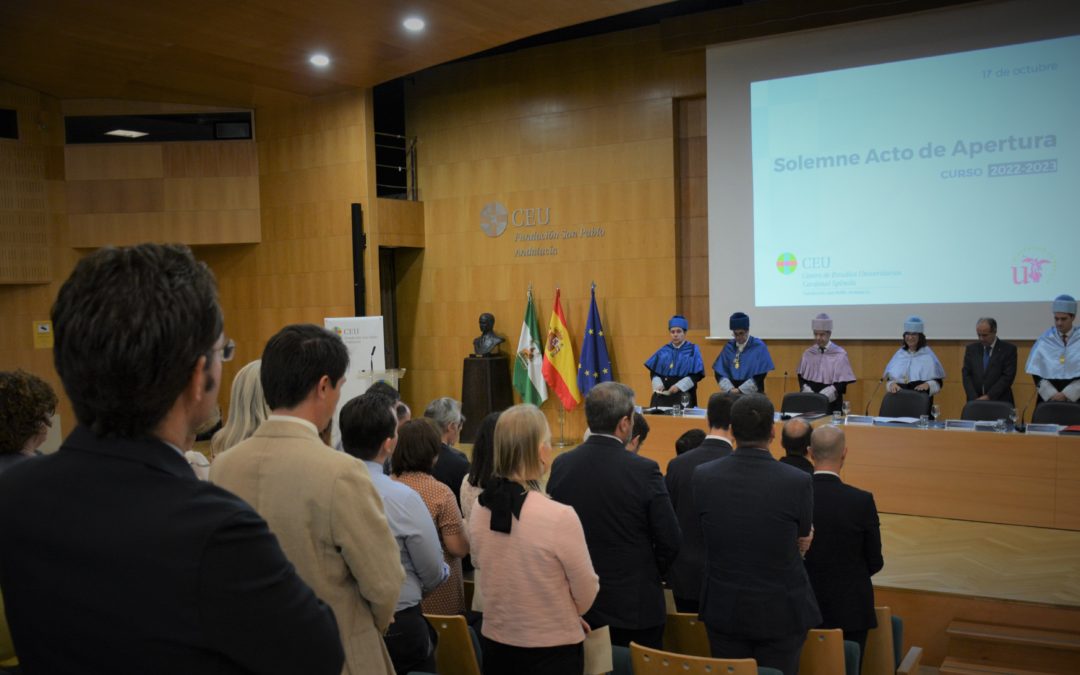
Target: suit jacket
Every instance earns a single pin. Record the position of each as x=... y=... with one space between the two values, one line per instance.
x=629 y=526
x=845 y=553
x=329 y=518
x=997 y=379
x=801 y=463
x=688 y=570
x=753 y=510
x=116 y=559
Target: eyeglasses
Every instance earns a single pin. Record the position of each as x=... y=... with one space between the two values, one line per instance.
x=228 y=350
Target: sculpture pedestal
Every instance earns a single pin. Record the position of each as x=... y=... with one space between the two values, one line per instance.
x=485 y=388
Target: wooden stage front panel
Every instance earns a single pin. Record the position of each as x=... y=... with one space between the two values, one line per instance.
x=1014 y=479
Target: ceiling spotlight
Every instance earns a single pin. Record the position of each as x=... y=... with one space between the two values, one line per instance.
x=413 y=23
x=320 y=60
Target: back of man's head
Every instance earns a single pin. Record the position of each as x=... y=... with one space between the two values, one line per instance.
x=690 y=439
x=795 y=437
x=719 y=410
x=606 y=404
x=366 y=422
x=752 y=420
x=130 y=325
x=294 y=361
x=640 y=429
x=444 y=412
x=385 y=389
x=827 y=445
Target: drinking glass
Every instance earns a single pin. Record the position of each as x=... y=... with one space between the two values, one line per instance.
x=685 y=399
x=847 y=408
x=999 y=426
x=935 y=411
x=924 y=421
x=1012 y=417
x=837 y=417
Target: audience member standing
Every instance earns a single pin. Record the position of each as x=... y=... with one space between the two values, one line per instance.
x=247 y=409
x=537 y=577
x=411 y=464
x=452 y=465
x=688 y=570
x=320 y=503
x=847 y=542
x=27 y=404
x=757 y=601
x=116 y=559
x=369 y=433
x=795 y=439
x=624 y=507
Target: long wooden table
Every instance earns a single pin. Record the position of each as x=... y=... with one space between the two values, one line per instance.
x=1015 y=479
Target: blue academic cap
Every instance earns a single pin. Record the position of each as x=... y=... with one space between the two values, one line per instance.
x=739 y=321
x=678 y=321
x=913 y=324
x=1065 y=303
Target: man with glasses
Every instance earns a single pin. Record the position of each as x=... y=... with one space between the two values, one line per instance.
x=115 y=557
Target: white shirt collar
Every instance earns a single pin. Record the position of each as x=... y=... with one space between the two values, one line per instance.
x=831 y=473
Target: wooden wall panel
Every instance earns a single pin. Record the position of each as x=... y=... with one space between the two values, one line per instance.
x=313 y=165
x=34 y=254
x=585 y=129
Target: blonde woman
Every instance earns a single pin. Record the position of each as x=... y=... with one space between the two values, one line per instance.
x=247 y=410
x=538 y=578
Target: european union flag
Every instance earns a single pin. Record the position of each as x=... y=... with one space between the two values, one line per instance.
x=594 y=366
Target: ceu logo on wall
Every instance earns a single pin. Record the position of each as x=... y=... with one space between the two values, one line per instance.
x=493 y=219
x=786 y=263
x=1032 y=267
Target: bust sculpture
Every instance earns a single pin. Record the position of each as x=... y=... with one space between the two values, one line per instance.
x=488 y=342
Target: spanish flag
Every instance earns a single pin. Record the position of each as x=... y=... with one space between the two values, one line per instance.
x=560 y=367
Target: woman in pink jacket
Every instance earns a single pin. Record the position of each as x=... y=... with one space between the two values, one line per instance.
x=538 y=579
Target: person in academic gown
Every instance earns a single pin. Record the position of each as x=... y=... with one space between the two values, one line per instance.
x=676 y=367
x=825 y=368
x=914 y=366
x=744 y=361
x=1054 y=361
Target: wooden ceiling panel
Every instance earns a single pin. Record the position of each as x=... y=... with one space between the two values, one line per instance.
x=243 y=51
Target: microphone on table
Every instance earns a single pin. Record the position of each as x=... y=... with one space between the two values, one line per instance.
x=783 y=389
x=1021 y=426
x=372 y=366
x=871 y=399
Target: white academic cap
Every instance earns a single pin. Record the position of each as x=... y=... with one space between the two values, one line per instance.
x=1065 y=303
x=913 y=324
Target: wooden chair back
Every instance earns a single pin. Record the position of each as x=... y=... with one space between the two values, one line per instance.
x=455 y=654
x=823 y=652
x=880 y=656
x=646 y=661
x=685 y=634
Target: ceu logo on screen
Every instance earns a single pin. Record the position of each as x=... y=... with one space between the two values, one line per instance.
x=786 y=263
x=493 y=219
x=1032 y=267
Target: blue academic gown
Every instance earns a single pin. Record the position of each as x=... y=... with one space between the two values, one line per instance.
x=754 y=362
x=672 y=364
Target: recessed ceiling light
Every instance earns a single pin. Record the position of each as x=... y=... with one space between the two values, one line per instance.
x=320 y=60
x=413 y=23
x=126 y=133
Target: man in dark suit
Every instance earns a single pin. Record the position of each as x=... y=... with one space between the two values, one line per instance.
x=688 y=570
x=795 y=439
x=626 y=513
x=757 y=601
x=847 y=542
x=116 y=558
x=989 y=365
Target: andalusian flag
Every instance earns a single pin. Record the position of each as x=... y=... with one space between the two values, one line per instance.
x=560 y=368
x=528 y=366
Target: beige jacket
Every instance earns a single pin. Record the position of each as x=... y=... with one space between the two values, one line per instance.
x=324 y=510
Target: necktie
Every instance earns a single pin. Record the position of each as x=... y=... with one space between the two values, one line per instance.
x=986 y=357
